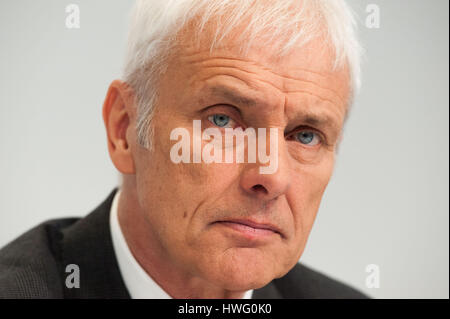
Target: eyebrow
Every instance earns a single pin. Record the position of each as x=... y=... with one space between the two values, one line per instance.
x=234 y=96
x=319 y=121
x=315 y=120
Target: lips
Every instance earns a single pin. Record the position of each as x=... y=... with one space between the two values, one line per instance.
x=250 y=227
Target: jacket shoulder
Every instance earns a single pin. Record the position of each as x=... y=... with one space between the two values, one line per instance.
x=305 y=283
x=30 y=264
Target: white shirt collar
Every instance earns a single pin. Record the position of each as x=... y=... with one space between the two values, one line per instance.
x=139 y=284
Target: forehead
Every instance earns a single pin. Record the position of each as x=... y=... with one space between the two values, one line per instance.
x=310 y=66
x=305 y=76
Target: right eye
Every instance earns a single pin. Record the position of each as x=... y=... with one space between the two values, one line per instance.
x=221 y=120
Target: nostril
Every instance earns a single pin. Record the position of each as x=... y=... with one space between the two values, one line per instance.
x=259 y=188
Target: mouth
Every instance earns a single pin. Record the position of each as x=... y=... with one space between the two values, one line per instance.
x=250 y=229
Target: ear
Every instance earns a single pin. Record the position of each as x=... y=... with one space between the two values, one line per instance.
x=118 y=113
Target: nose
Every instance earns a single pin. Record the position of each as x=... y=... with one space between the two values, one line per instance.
x=267 y=186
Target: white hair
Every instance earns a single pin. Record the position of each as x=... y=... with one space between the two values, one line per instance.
x=284 y=24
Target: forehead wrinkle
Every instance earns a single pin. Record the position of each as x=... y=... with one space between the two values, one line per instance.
x=302 y=89
x=230 y=72
x=207 y=61
x=324 y=99
x=313 y=83
x=284 y=91
x=202 y=56
x=211 y=62
x=205 y=56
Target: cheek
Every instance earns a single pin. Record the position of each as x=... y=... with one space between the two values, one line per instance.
x=179 y=189
x=306 y=195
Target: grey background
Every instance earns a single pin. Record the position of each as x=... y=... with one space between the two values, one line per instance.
x=387 y=203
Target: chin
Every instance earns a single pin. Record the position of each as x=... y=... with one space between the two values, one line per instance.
x=242 y=282
x=242 y=269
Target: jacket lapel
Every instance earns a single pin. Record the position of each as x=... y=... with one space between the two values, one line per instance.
x=269 y=291
x=88 y=245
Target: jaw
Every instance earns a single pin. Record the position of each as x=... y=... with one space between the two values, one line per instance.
x=241 y=268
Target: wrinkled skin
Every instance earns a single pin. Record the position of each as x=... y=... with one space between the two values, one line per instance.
x=169 y=212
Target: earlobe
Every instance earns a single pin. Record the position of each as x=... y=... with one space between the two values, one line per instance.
x=117 y=120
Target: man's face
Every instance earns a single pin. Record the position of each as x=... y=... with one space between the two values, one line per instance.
x=225 y=222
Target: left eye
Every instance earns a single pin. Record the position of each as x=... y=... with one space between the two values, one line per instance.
x=307 y=137
x=221 y=120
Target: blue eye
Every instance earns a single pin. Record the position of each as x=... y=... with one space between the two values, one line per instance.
x=221 y=120
x=307 y=137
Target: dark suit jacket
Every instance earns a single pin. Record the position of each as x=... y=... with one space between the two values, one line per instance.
x=33 y=265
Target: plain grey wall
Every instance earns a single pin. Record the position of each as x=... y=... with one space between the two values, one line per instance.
x=387 y=203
